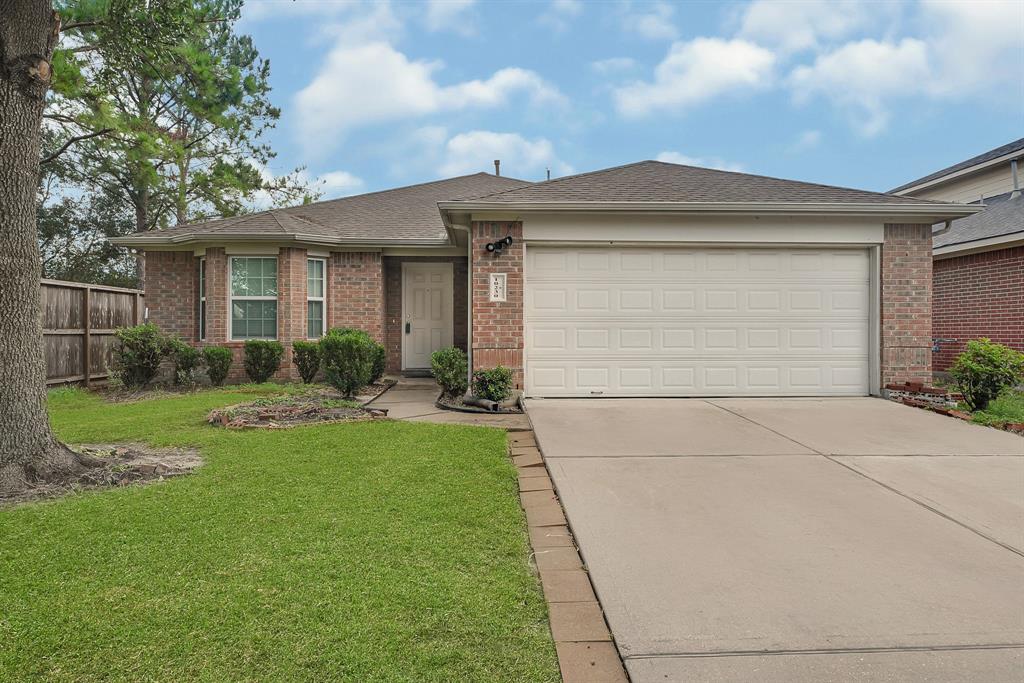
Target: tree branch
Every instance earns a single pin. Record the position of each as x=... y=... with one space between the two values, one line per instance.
x=72 y=141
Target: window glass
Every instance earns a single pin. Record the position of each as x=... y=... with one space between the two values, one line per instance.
x=254 y=276
x=314 y=319
x=253 y=319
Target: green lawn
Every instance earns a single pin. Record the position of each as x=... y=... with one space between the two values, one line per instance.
x=1009 y=407
x=376 y=551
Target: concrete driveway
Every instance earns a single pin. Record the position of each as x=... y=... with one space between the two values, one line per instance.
x=796 y=539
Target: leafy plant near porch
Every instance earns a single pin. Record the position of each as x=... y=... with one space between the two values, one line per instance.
x=186 y=358
x=379 y=353
x=450 y=368
x=138 y=354
x=347 y=357
x=307 y=359
x=218 y=363
x=984 y=370
x=494 y=384
x=262 y=359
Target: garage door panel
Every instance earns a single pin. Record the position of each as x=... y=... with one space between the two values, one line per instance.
x=715 y=322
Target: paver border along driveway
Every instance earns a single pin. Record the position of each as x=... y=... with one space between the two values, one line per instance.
x=815 y=539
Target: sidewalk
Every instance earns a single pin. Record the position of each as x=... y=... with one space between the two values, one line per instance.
x=412 y=399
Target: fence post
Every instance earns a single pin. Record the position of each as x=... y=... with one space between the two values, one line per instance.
x=87 y=337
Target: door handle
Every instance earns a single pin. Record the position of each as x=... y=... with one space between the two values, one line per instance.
x=408 y=328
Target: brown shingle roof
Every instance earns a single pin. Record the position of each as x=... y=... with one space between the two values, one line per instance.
x=1003 y=150
x=404 y=214
x=658 y=181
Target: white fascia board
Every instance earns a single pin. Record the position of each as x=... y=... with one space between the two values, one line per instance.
x=145 y=241
x=975 y=246
x=1018 y=154
x=923 y=212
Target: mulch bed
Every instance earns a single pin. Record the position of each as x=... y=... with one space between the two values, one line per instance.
x=123 y=465
x=457 y=405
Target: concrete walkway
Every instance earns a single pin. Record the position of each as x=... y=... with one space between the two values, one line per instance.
x=413 y=400
x=791 y=540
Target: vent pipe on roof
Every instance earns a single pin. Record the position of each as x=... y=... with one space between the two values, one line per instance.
x=497 y=167
x=1016 y=185
x=549 y=174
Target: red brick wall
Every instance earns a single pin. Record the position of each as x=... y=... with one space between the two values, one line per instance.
x=217 y=310
x=906 y=303
x=978 y=295
x=393 y=332
x=498 y=326
x=356 y=291
x=171 y=282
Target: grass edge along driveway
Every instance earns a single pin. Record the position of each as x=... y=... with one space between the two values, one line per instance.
x=374 y=551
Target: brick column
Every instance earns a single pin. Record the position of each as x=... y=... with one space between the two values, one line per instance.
x=497 y=325
x=217 y=310
x=171 y=281
x=291 y=305
x=906 y=332
x=355 y=292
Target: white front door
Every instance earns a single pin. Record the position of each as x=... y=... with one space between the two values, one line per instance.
x=427 y=298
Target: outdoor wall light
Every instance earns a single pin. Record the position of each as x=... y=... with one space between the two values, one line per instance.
x=496 y=247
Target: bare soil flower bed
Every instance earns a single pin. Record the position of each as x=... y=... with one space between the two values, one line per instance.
x=283 y=412
x=122 y=465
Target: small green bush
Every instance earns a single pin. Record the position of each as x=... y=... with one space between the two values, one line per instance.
x=307 y=357
x=262 y=359
x=450 y=368
x=139 y=353
x=380 y=356
x=347 y=360
x=984 y=370
x=218 y=363
x=494 y=384
x=186 y=360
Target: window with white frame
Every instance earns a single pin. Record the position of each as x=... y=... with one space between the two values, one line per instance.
x=253 y=297
x=316 y=304
x=202 y=299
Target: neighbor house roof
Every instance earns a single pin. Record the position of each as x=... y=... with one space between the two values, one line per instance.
x=1008 y=150
x=1003 y=217
x=405 y=215
x=657 y=185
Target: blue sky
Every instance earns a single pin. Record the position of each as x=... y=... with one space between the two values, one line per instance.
x=861 y=94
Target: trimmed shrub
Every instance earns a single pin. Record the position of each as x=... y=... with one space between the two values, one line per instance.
x=262 y=359
x=139 y=353
x=380 y=355
x=494 y=384
x=186 y=360
x=451 y=368
x=218 y=363
x=307 y=359
x=347 y=360
x=984 y=370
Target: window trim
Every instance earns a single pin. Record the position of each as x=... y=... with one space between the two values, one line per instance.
x=232 y=297
x=321 y=299
x=201 y=313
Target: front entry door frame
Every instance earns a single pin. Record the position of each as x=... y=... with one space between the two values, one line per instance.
x=447 y=323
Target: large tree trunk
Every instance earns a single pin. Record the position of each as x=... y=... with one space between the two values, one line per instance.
x=28 y=450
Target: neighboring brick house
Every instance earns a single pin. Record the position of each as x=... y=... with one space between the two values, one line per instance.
x=650 y=279
x=978 y=268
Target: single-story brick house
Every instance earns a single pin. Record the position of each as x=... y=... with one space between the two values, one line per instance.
x=978 y=269
x=650 y=279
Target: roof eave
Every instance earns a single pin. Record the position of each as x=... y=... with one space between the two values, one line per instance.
x=918 y=185
x=931 y=211
x=185 y=239
x=997 y=242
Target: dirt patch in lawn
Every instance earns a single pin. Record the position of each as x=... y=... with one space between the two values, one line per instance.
x=122 y=465
x=284 y=412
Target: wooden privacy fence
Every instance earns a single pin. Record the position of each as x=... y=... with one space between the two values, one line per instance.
x=78 y=327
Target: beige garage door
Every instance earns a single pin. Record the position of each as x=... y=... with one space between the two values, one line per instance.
x=606 y=321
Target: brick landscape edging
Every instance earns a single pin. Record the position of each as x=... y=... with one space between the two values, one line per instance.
x=586 y=651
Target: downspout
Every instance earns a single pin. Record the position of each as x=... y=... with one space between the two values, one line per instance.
x=452 y=227
x=1016 y=185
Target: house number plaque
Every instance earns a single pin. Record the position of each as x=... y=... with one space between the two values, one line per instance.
x=499 y=286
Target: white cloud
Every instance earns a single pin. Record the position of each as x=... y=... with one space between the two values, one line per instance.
x=654 y=22
x=339 y=184
x=451 y=15
x=697 y=71
x=374 y=83
x=793 y=26
x=860 y=76
x=808 y=139
x=703 y=162
x=560 y=14
x=476 y=151
x=613 y=65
